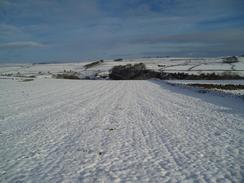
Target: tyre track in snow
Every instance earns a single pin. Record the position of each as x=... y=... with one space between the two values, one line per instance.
x=118 y=131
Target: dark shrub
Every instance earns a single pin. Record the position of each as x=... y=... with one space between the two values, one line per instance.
x=118 y=59
x=26 y=80
x=87 y=66
x=230 y=60
x=125 y=72
x=67 y=76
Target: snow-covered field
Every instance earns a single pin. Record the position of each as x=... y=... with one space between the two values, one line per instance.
x=118 y=131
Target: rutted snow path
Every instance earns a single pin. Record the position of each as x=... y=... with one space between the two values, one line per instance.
x=118 y=131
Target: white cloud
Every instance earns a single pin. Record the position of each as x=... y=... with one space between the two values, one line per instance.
x=22 y=44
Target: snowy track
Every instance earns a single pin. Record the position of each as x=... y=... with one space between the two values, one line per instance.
x=118 y=131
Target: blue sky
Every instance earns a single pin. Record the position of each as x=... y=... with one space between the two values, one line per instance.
x=80 y=30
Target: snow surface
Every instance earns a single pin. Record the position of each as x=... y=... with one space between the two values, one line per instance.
x=118 y=131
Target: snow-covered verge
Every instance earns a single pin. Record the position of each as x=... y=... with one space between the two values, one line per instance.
x=234 y=82
x=118 y=131
x=237 y=92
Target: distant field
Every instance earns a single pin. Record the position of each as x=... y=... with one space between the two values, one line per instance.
x=185 y=65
